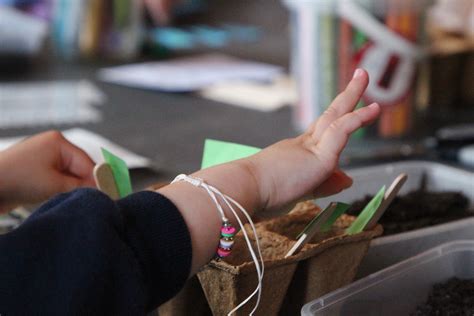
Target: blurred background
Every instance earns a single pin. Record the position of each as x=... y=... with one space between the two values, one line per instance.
x=158 y=77
x=151 y=80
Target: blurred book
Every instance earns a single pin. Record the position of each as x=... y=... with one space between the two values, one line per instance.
x=328 y=57
x=203 y=36
x=97 y=28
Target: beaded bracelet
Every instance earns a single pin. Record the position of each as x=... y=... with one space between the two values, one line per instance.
x=227 y=240
x=228 y=231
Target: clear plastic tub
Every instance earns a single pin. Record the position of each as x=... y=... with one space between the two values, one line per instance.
x=399 y=289
x=331 y=38
x=385 y=251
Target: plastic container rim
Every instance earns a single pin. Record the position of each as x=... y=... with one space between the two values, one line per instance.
x=421 y=232
x=389 y=273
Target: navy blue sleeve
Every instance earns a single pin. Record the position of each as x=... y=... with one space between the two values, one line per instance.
x=83 y=254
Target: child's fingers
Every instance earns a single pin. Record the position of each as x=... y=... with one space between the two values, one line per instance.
x=77 y=163
x=337 y=182
x=337 y=134
x=344 y=103
x=160 y=10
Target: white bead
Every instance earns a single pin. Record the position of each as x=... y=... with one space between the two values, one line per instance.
x=226 y=243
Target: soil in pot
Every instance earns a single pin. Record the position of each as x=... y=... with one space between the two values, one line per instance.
x=453 y=297
x=419 y=209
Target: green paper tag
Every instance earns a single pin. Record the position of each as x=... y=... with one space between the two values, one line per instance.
x=217 y=152
x=120 y=171
x=308 y=227
x=341 y=208
x=364 y=217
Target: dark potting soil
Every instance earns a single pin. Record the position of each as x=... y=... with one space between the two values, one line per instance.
x=454 y=297
x=419 y=209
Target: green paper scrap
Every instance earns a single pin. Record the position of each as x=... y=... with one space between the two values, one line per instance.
x=365 y=216
x=307 y=227
x=217 y=152
x=341 y=208
x=120 y=172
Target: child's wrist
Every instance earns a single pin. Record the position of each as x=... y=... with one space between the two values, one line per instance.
x=239 y=179
x=256 y=175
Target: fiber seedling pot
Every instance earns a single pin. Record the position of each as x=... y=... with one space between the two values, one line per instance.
x=189 y=301
x=328 y=262
x=227 y=283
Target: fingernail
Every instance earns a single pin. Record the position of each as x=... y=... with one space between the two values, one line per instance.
x=374 y=105
x=357 y=73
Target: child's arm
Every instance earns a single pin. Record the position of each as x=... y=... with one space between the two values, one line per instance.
x=305 y=166
x=98 y=256
x=41 y=166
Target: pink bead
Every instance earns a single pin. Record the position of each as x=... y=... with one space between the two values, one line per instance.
x=223 y=252
x=228 y=230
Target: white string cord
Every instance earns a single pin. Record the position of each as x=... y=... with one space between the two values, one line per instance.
x=212 y=191
x=255 y=260
x=259 y=287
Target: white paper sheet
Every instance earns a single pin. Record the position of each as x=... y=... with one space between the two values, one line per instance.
x=91 y=143
x=49 y=103
x=8 y=222
x=255 y=96
x=189 y=74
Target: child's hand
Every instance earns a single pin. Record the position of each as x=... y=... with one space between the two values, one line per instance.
x=40 y=167
x=285 y=172
x=160 y=10
x=307 y=166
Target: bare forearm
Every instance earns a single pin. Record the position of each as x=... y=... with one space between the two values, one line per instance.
x=305 y=166
x=235 y=179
